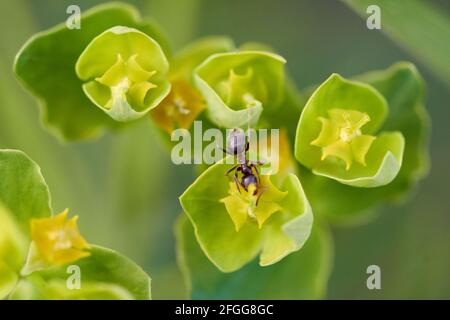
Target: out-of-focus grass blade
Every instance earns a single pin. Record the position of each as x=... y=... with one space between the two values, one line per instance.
x=177 y=17
x=418 y=26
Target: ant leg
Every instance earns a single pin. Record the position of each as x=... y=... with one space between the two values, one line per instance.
x=229 y=171
x=259 y=196
x=257 y=172
x=236 y=181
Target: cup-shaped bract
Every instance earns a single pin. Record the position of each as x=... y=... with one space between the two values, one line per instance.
x=233 y=227
x=45 y=65
x=404 y=90
x=301 y=275
x=124 y=73
x=338 y=135
x=238 y=85
x=184 y=103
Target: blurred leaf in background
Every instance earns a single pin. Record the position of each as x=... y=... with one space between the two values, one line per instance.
x=417 y=26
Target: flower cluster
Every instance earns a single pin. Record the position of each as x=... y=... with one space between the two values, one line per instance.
x=345 y=146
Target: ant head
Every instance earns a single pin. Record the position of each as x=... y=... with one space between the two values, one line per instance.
x=236 y=141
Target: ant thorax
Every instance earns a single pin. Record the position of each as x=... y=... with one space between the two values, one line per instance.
x=241 y=158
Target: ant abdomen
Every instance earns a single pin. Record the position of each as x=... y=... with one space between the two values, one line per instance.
x=249 y=180
x=236 y=142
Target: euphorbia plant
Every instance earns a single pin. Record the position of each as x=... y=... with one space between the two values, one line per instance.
x=240 y=228
x=359 y=143
x=338 y=135
x=37 y=247
x=126 y=82
x=237 y=86
x=185 y=103
x=46 y=66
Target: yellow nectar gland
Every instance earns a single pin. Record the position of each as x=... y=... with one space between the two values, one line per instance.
x=127 y=78
x=241 y=205
x=342 y=138
x=58 y=240
x=235 y=88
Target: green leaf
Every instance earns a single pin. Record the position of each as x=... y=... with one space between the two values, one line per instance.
x=284 y=232
x=336 y=135
x=403 y=88
x=46 y=67
x=13 y=248
x=423 y=40
x=13 y=242
x=22 y=188
x=125 y=73
x=8 y=279
x=238 y=85
x=34 y=288
x=301 y=275
x=105 y=274
x=23 y=195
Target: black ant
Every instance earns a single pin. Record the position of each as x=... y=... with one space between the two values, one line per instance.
x=238 y=146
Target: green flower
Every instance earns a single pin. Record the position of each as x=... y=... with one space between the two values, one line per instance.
x=338 y=135
x=52 y=243
x=238 y=85
x=125 y=73
x=341 y=136
x=233 y=227
x=45 y=65
x=184 y=104
x=301 y=275
x=403 y=88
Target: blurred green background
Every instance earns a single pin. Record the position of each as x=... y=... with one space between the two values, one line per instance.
x=126 y=190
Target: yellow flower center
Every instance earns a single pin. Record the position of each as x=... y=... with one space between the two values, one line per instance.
x=244 y=206
x=180 y=108
x=120 y=89
x=58 y=240
x=347 y=134
x=341 y=136
x=127 y=80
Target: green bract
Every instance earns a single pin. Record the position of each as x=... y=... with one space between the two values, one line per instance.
x=338 y=135
x=184 y=103
x=46 y=66
x=238 y=85
x=188 y=58
x=105 y=275
x=301 y=275
x=403 y=88
x=232 y=230
x=125 y=73
x=24 y=197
